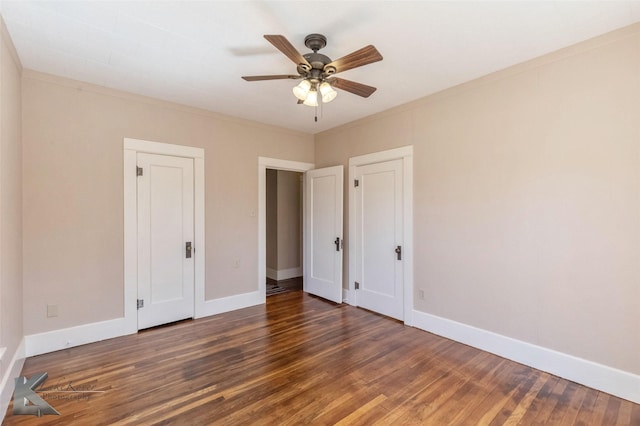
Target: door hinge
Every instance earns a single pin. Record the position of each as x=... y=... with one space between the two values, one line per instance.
x=138 y=171
x=356 y=183
x=140 y=303
x=357 y=285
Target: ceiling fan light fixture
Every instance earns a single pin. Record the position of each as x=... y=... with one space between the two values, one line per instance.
x=312 y=99
x=302 y=90
x=328 y=93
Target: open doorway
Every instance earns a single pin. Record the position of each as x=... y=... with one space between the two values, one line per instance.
x=284 y=258
x=265 y=163
x=322 y=227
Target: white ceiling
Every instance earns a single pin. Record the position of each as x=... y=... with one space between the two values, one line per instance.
x=194 y=52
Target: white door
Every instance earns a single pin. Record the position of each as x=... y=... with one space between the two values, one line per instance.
x=323 y=233
x=379 y=216
x=165 y=232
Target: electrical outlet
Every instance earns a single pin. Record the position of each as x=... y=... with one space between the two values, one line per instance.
x=236 y=263
x=421 y=294
x=52 y=311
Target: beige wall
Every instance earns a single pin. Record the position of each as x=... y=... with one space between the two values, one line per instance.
x=289 y=207
x=526 y=198
x=10 y=201
x=283 y=220
x=73 y=193
x=271 y=217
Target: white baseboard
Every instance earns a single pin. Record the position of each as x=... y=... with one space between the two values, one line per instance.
x=231 y=303
x=55 y=340
x=285 y=274
x=272 y=274
x=13 y=370
x=601 y=377
x=50 y=341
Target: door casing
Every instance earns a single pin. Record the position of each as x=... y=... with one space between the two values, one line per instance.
x=406 y=155
x=265 y=163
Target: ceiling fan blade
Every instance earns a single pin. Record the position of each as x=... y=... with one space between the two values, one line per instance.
x=283 y=45
x=364 y=56
x=353 y=87
x=270 y=77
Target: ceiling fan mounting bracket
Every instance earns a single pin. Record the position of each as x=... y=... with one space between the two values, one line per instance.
x=315 y=42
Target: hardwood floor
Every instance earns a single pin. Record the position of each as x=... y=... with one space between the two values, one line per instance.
x=302 y=360
x=276 y=287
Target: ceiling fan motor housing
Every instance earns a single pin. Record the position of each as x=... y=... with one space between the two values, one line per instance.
x=317 y=60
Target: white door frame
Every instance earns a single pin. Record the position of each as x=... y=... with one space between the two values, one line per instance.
x=131 y=147
x=406 y=155
x=265 y=163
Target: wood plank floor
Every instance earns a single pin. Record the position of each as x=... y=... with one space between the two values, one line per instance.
x=302 y=360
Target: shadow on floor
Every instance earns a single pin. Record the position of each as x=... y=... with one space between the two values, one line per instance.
x=282 y=286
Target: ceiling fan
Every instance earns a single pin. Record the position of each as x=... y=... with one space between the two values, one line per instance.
x=316 y=70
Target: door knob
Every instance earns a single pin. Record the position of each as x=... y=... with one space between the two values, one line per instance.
x=399 y=252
